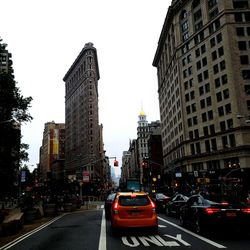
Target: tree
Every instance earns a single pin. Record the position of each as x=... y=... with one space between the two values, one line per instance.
x=13 y=111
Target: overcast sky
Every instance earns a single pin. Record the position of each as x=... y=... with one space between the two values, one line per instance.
x=46 y=36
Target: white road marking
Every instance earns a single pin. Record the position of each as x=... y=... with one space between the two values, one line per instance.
x=162 y=226
x=103 y=239
x=193 y=234
x=14 y=242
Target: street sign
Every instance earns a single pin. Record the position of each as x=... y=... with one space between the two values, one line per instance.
x=85 y=176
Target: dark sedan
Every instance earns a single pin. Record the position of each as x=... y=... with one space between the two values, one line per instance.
x=174 y=205
x=160 y=201
x=202 y=214
x=108 y=204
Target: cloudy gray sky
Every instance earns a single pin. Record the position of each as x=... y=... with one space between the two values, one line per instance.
x=45 y=37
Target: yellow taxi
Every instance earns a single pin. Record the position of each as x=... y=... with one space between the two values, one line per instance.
x=133 y=210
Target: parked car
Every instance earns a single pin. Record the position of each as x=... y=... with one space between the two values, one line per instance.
x=108 y=204
x=133 y=210
x=202 y=214
x=174 y=205
x=160 y=201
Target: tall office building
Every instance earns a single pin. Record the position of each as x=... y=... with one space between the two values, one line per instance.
x=203 y=70
x=142 y=144
x=82 y=142
x=52 y=151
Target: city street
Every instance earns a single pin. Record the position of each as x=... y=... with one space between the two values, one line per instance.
x=89 y=230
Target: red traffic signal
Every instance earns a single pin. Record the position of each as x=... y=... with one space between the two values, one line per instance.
x=116 y=163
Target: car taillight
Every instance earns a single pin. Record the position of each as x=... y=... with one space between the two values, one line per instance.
x=152 y=205
x=211 y=210
x=115 y=207
x=246 y=210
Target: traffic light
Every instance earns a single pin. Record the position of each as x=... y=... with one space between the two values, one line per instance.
x=116 y=163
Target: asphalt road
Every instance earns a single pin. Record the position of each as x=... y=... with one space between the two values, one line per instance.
x=89 y=230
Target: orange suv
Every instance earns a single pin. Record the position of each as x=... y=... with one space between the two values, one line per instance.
x=133 y=210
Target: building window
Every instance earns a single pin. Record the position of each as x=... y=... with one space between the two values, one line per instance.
x=214 y=55
x=209 y=101
x=207 y=145
x=226 y=93
x=205 y=74
x=212 y=3
x=221 y=51
x=214 y=144
x=212 y=129
x=195 y=3
x=196 y=133
x=212 y=42
x=248 y=104
x=210 y=115
x=203 y=48
x=224 y=79
x=242 y=45
x=198 y=148
x=219 y=97
x=219 y=38
x=230 y=123
x=204 y=117
x=232 y=141
x=213 y=14
x=205 y=131
x=217 y=82
x=247 y=16
x=244 y=59
x=245 y=74
x=216 y=68
x=228 y=108
x=191 y=135
x=201 y=90
x=224 y=142
x=204 y=61
x=192 y=149
x=197 y=15
x=198 y=65
x=202 y=103
x=223 y=126
x=238 y=17
x=220 y=111
x=240 y=4
x=197 y=52
x=240 y=31
x=222 y=65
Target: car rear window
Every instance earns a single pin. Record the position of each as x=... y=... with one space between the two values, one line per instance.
x=140 y=200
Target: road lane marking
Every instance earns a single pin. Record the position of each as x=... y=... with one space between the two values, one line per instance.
x=103 y=239
x=157 y=240
x=194 y=234
x=19 y=239
x=162 y=226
